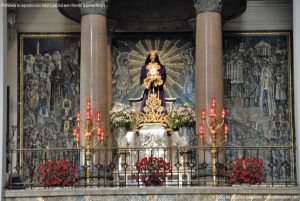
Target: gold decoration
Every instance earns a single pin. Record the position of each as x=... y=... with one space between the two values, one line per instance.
x=153 y=51
x=153 y=113
x=153 y=76
x=67 y=106
x=88 y=131
x=213 y=126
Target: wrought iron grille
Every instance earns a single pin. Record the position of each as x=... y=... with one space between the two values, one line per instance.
x=116 y=167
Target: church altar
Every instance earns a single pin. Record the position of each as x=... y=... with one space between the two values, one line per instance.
x=152 y=141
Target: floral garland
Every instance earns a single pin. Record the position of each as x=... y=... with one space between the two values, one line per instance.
x=182 y=116
x=121 y=116
x=152 y=171
x=246 y=170
x=53 y=173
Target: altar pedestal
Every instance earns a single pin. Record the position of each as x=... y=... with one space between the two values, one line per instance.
x=150 y=140
x=153 y=141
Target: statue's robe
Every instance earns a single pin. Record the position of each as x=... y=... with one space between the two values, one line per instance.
x=158 y=91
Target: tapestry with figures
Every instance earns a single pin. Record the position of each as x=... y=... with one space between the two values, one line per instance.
x=49 y=77
x=176 y=54
x=258 y=95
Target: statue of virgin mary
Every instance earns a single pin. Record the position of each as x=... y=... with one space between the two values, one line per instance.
x=153 y=106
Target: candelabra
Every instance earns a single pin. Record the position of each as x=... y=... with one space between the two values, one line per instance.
x=213 y=126
x=89 y=131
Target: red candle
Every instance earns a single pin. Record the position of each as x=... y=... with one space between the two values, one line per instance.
x=102 y=135
x=75 y=131
x=88 y=115
x=201 y=130
x=98 y=116
x=226 y=129
x=223 y=113
x=212 y=112
x=88 y=104
x=78 y=116
x=203 y=114
x=99 y=131
x=214 y=101
x=201 y=133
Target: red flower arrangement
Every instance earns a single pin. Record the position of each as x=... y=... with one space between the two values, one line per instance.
x=153 y=171
x=54 y=173
x=246 y=170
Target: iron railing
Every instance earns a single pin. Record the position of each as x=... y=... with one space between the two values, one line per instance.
x=116 y=167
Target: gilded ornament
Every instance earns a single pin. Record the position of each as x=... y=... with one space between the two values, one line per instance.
x=153 y=76
x=153 y=113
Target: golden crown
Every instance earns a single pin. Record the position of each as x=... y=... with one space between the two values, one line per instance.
x=153 y=51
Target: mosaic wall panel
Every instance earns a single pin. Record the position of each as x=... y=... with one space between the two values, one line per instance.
x=48 y=89
x=258 y=95
x=258 y=91
x=177 y=54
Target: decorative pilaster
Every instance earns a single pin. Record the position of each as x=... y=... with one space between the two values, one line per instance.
x=11 y=25
x=112 y=24
x=296 y=41
x=3 y=95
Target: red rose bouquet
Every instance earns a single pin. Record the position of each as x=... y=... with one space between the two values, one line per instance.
x=153 y=171
x=246 y=170
x=53 y=173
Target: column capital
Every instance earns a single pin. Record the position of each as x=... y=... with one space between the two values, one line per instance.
x=93 y=7
x=208 y=5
